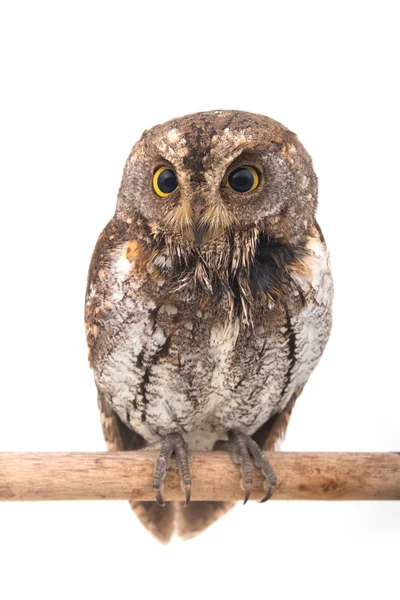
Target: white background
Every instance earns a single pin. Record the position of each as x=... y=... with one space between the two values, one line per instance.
x=80 y=82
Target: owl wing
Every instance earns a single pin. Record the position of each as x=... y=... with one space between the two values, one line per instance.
x=116 y=434
x=158 y=520
x=269 y=435
x=310 y=331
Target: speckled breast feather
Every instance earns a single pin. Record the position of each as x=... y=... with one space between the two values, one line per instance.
x=202 y=338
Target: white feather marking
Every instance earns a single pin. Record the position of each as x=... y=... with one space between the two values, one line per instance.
x=222 y=343
x=173 y=135
x=121 y=269
x=159 y=337
x=122 y=265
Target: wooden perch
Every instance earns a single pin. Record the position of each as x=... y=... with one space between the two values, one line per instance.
x=128 y=475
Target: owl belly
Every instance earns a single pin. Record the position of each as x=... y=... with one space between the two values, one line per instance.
x=201 y=382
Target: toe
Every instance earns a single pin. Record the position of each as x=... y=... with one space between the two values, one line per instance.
x=159 y=498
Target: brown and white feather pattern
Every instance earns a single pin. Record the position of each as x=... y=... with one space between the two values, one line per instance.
x=168 y=366
x=207 y=310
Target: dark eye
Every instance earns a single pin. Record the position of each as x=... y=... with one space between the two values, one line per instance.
x=245 y=179
x=164 y=181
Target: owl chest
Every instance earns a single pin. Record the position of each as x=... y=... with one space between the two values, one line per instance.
x=184 y=374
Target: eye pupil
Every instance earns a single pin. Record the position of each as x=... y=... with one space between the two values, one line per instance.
x=243 y=180
x=167 y=181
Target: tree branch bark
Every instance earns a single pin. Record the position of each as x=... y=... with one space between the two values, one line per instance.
x=128 y=476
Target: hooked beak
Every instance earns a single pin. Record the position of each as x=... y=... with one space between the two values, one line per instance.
x=198 y=227
x=198 y=232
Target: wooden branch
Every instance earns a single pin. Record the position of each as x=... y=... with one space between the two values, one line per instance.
x=128 y=475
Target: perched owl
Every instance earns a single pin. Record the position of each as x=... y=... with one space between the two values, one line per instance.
x=208 y=301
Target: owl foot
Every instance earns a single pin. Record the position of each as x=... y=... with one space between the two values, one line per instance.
x=172 y=443
x=245 y=451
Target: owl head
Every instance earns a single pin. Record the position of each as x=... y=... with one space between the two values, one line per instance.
x=218 y=191
x=202 y=175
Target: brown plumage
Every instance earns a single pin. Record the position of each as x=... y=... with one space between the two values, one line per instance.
x=209 y=299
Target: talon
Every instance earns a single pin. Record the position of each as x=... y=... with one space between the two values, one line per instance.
x=188 y=491
x=267 y=495
x=245 y=451
x=172 y=444
x=269 y=485
x=246 y=495
x=159 y=498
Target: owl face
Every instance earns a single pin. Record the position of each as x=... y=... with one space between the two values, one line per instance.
x=199 y=178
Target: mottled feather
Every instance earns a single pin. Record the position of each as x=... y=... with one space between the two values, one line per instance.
x=207 y=310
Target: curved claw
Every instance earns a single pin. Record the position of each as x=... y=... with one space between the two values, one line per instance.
x=188 y=491
x=269 y=484
x=159 y=498
x=267 y=495
x=246 y=495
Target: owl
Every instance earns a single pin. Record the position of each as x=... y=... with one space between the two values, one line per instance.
x=208 y=302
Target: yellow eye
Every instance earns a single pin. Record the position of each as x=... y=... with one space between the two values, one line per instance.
x=164 y=181
x=244 y=179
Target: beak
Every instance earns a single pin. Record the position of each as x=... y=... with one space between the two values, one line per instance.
x=198 y=232
x=199 y=229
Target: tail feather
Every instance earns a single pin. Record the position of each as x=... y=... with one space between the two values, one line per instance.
x=197 y=516
x=158 y=520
